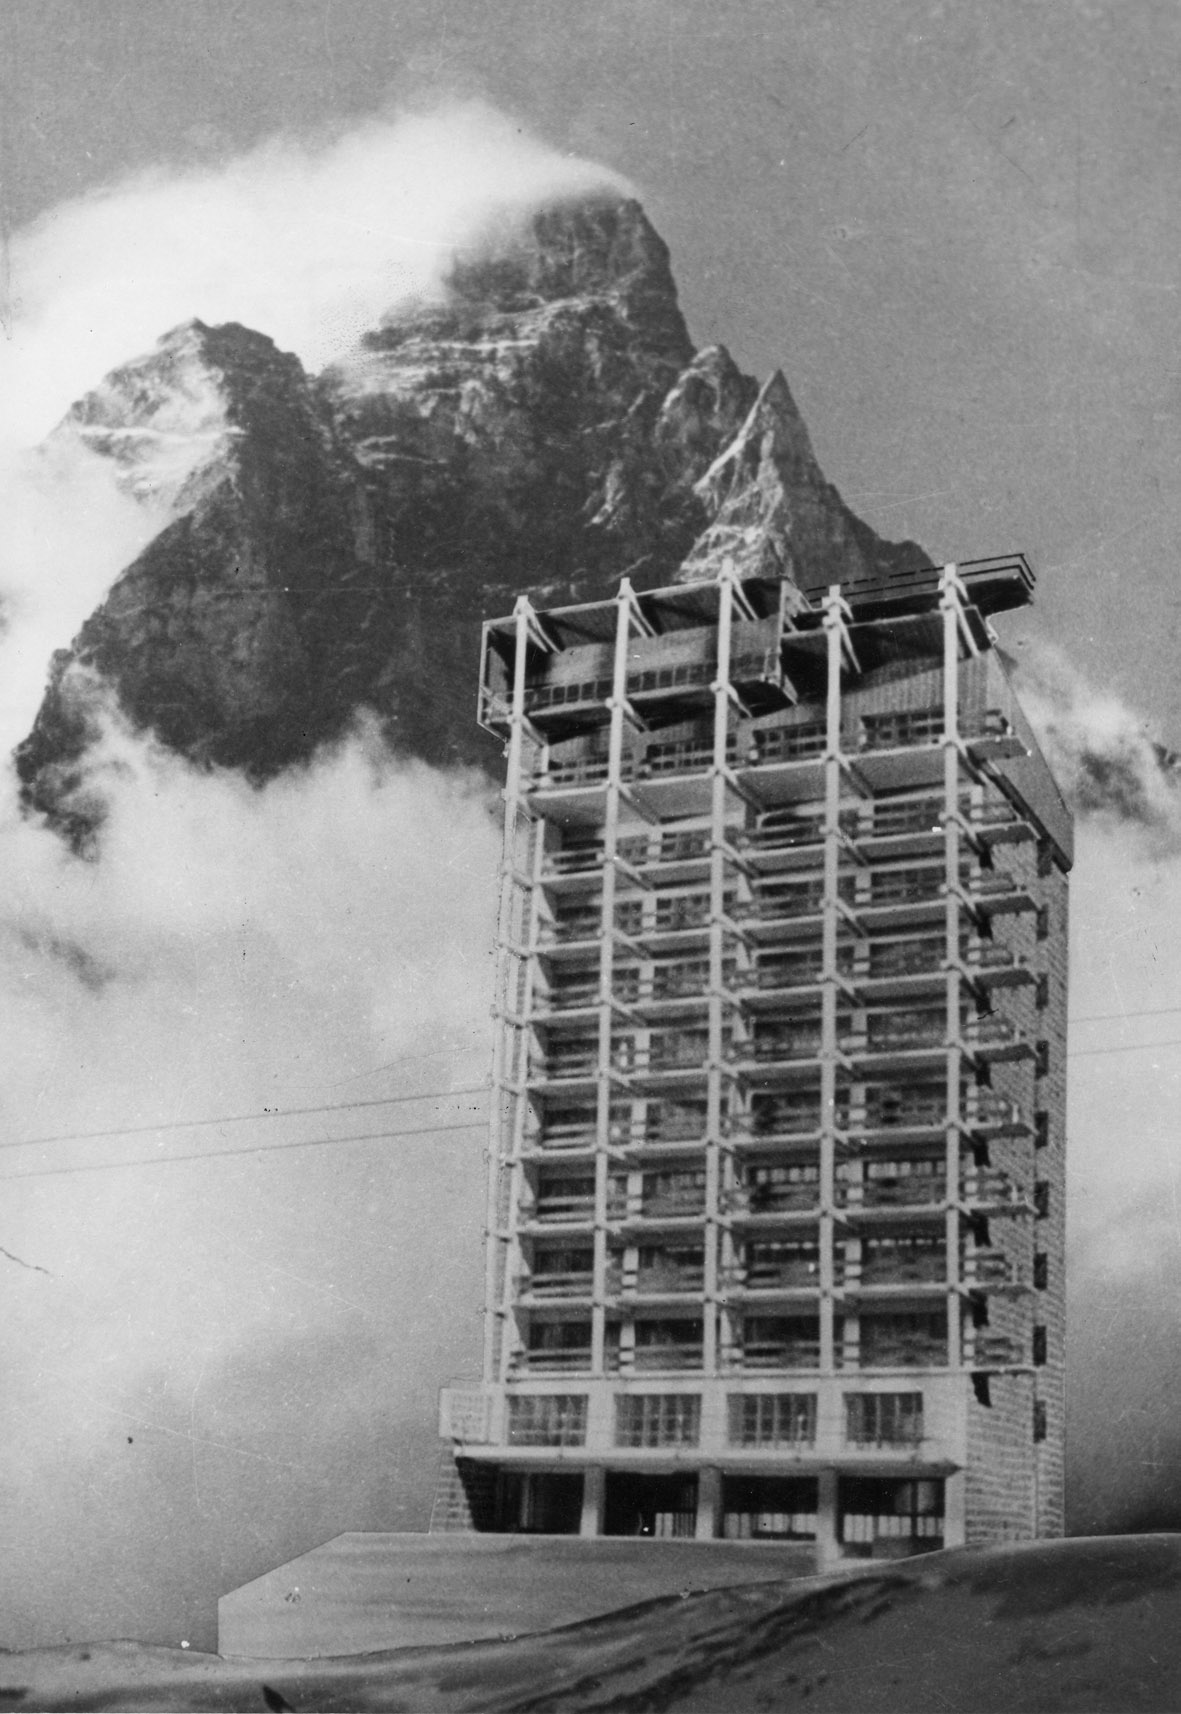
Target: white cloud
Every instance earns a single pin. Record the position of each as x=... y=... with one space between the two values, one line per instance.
x=306 y=243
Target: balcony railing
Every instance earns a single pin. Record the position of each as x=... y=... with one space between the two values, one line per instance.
x=658 y=1359
x=564 y=1210
x=571 y=996
x=799 y=1273
x=556 y=1285
x=681 y=1125
x=895 y=1269
x=789 y=743
x=577 y=860
x=761 y=1354
x=897 y=1353
x=662 y=1205
x=994 y=1351
x=779 y=903
x=991 y=1032
x=775 y=977
x=913 y=728
x=771 y=1199
x=658 y=1278
x=912 y=1191
x=992 y=1110
x=771 y=1045
x=779 y=1119
x=989 y=1268
x=992 y=1187
x=560 y=1360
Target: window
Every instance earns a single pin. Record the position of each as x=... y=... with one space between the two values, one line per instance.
x=1043 y=991
x=769 y=1508
x=1043 y=922
x=1040 y=1423
x=772 y=1419
x=658 y=1419
x=1045 y=860
x=1041 y=1062
x=547 y=1419
x=1041 y=1128
x=1041 y=1198
x=1041 y=1270
x=1040 y=1351
x=883 y=1419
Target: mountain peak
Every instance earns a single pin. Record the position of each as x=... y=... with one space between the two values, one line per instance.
x=544 y=425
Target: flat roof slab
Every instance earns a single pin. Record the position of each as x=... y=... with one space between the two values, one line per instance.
x=363 y=1592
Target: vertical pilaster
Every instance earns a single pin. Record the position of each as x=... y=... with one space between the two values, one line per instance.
x=618 y=708
x=593 y=1485
x=828 y=1547
x=834 y=624
x=950 y=608
x=717 y=964
x=499 y=1123
x=709 y=1503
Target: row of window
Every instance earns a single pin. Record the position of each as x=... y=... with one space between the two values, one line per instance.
x=753 y=1419
x=564 y=1195
x=803 y=741
x=567 y=1120
x=881 y=818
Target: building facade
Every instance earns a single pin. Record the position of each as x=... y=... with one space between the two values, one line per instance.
x=775 y=1222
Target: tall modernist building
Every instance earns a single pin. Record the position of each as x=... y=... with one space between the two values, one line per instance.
x=775 y=1211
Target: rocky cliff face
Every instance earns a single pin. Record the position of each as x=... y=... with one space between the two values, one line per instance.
x=335 y=542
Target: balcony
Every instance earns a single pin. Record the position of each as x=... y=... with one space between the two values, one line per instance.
x=997 y=1039
x=671 y=1123
x=773 y=1046
x=989 y=1190
x=557 y=1360
x=775 y=1268
x=993 y=893
x=776 y=904
x=989 y=1114
x=797 y=833
x=661 y=1201
x=898 y=1110
x=903 y=1188
x=776 y=976
x=684 y=911
x=902 y=1263
x=910 y=729
x=791 y=1114
x=660 y=1347
x=802 y=742
x=882 y=1349
x=987 y=1350
x=773 y=1196
x=556 y=1284
x=660 y=1274
x=570 y=1203
x=774 y=1345
x=990 y=1270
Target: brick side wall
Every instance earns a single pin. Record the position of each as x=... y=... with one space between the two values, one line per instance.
x=1051 y=1232
x=1015 y=1484
x=465 y=1496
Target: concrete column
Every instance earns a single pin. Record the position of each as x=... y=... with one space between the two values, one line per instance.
x=593 y=1485
x=828 y=1548
x=709 y=1503
x=955 y=1510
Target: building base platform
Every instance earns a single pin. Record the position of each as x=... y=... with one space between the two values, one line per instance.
x=363 y=1592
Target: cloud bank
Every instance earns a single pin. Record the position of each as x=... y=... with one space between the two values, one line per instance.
x=1124 y=1153
x=213 y=1364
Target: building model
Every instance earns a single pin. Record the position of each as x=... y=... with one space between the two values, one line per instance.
x=775 y=1207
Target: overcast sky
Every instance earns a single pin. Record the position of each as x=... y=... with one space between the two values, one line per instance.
x=955 y=227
